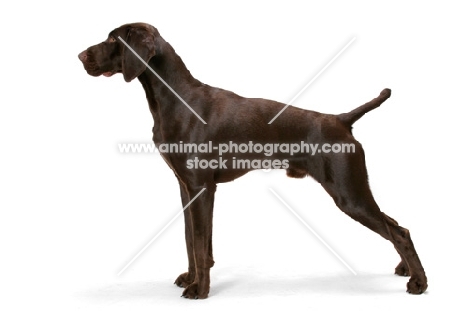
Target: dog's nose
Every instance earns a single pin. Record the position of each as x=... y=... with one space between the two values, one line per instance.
x=83 y=56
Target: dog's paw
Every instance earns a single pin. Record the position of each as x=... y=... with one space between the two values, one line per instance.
x=416 y=285
x=194 y=291
x=184 y=280
x=402 y=269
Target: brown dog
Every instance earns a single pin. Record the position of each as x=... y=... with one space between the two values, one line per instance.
x=226 y=119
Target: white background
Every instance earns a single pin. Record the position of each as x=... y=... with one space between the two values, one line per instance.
x=74 y=211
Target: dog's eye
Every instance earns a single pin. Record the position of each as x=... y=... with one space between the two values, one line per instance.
x=111 y=39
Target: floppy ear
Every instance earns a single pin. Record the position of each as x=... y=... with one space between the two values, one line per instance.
x=143 y=42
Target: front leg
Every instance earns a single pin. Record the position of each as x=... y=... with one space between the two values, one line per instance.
x=187 y=278
x=199 y=226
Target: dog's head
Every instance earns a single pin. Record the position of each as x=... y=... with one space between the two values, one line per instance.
x=113 y=55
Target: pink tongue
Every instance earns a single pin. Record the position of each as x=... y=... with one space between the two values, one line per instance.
x=107 y=74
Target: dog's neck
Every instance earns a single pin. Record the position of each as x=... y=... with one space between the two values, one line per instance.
x=162 y=102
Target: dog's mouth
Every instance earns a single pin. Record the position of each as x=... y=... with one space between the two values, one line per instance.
x=95 y=71
x=91 y=67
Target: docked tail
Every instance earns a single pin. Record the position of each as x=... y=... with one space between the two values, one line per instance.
x=350 y=117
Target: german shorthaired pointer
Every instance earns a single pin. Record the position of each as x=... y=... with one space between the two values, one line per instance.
x=232 y=119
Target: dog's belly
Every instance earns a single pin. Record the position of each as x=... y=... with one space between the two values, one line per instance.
x=223 y=176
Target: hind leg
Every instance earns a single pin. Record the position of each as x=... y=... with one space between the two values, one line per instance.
x=402 y=268
x=410 y=264
x=345 y=179
x=369 y=215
